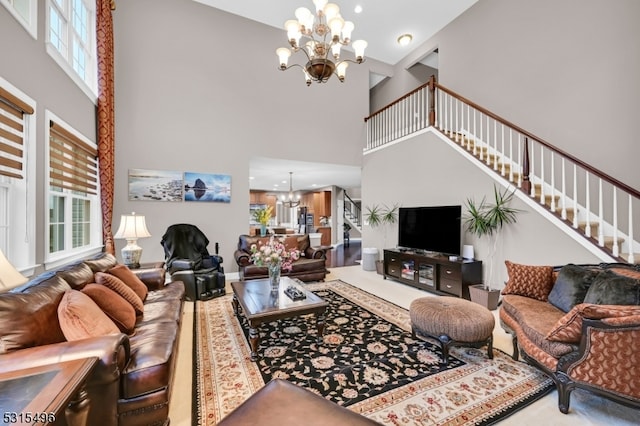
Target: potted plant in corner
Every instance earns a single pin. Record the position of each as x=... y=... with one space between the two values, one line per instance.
x=381 y=217
x=486 y=220
x=263 y=216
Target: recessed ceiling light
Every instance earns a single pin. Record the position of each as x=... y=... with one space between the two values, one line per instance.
x=405 y=39
x=358 y=9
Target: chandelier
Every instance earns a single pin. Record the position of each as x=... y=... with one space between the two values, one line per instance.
x=292 y=200
x=325 y=33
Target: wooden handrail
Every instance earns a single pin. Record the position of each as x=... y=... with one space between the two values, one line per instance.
x=496 y=117
x=400 y=99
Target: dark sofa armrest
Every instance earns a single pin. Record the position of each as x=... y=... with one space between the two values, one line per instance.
x=153 y=278
x=242 y=258
x=113 y=352
x=314 y=253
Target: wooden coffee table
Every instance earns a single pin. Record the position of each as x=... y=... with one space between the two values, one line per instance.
x=255 y=300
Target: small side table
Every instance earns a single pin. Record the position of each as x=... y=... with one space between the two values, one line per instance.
x=40 y=395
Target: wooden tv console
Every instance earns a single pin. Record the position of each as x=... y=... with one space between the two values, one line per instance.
x=433 y=273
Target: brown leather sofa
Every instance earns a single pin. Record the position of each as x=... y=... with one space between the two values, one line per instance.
x=581 y=327
x=310 y=266
x=131 y=384
x=281 y=403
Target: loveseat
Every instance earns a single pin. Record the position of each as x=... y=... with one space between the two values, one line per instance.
x=580 y=324
x=309 y=267
x=131 y=383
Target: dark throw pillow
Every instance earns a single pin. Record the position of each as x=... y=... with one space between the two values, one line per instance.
x=609 y=288
x=571 y=286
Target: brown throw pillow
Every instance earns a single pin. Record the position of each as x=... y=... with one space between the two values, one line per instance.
x=81 y=318
x=530 y=281
x=117 y=309
x=568 y=329
x=127 y=276
x=116 y=284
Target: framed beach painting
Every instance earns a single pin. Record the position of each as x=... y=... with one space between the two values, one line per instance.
x=155 y=185
x=207 y=187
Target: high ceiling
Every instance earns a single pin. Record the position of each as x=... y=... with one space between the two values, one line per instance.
x=380 y=23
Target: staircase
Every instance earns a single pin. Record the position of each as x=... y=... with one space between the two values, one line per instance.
x=352 y=213
x=586 y=201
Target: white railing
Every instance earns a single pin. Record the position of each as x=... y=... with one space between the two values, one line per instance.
x=601 y=208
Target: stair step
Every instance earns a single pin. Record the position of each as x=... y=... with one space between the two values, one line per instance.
x=608 y=242
x=569 y=211
x=636 y=257
x=594 y=228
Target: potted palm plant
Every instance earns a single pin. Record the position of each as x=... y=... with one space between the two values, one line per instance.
x=263 y=216
x=486 y=220
x=381 y=217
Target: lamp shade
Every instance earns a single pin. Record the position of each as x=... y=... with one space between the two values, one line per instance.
x=9 y=276
x=467 y=252
x=131 y=228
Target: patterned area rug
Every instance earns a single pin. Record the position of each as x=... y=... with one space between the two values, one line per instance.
x=367 y=362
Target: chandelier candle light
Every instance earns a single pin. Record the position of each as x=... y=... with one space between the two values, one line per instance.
x=326 y=32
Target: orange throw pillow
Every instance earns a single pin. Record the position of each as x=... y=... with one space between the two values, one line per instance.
x=119 y=310
x=127 y=276
x=80 y=317
x=116 y=284
x=535 y=282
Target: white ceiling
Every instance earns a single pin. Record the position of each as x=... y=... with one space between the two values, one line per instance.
x=380 y=23
x=272 y=174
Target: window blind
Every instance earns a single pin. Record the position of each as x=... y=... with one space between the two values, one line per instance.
x=73 y=164
x=12 y=134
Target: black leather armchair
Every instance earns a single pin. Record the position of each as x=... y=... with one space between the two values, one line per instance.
x=188 y=260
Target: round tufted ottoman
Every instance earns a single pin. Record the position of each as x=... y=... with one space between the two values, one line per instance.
x=452 y=322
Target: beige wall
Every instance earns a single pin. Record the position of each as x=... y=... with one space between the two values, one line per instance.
x=25 y=64
x=426 y=171
x=199 y=90
x=566 y=71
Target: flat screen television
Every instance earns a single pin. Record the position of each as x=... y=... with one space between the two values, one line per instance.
x=433 y=229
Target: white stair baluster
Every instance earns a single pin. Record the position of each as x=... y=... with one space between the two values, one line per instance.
x=631 y=258
x=587 y=230
x=552 y=204
x=600 y=214
x=542 y=181
x=615 y=249
x=563 y=213
x=575 y=196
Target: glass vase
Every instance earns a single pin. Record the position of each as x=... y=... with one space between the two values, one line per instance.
x=274 y=276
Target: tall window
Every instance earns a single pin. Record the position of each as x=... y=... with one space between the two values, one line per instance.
x=74 y=216
x=26 y=12
x=17 y=176
x=72 y=41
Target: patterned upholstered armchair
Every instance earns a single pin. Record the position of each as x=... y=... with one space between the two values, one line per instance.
x=580 y=324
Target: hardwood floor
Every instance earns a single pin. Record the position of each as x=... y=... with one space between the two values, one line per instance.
x=344 y=256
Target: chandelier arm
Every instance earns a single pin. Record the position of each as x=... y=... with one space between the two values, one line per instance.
x=291 y=66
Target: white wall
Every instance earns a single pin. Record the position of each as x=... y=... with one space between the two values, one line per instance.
x=198 y=89
x=426 y=171
x=25 y=64
x=566 y=71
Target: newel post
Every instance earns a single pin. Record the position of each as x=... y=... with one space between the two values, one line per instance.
x=526 y=183
x=432 y=100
